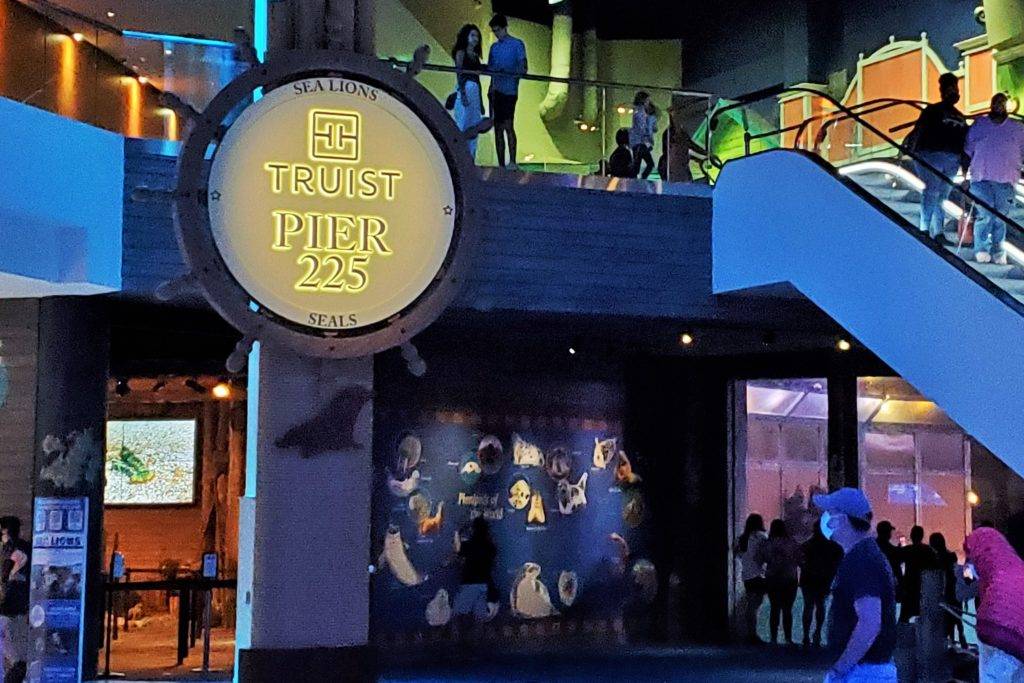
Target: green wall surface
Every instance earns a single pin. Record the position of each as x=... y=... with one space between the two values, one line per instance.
x=402 y=25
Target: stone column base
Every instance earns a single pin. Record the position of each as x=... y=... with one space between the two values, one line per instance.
x=309 y=665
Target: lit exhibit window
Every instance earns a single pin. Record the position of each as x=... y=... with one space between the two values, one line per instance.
x=785 y=458
x=915 y=463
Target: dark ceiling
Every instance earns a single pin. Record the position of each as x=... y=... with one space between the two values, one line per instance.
x=614 y=19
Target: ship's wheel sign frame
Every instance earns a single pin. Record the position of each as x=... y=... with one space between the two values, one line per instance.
x=335 y=215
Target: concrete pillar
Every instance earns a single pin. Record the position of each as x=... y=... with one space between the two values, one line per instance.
x=70 y=429
x=310 y=582
x=322 y=25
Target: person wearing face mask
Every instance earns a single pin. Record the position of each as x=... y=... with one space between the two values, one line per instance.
x=862 y=625
x=995 y=144
x=1000 y=573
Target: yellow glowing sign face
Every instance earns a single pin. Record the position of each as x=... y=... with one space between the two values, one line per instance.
x=331 y=203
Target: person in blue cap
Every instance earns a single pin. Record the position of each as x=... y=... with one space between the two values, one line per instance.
x=862 y=628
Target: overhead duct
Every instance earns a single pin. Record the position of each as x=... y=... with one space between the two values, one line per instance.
x=553 y=104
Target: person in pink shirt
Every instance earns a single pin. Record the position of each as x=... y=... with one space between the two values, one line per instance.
x=1000 y=571
x=995 y=144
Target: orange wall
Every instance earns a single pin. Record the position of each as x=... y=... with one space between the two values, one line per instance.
x=43 y=66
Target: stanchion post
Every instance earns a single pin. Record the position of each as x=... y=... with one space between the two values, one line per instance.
x=184 y=609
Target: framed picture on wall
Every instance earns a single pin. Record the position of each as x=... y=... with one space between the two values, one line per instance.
x=151 y=462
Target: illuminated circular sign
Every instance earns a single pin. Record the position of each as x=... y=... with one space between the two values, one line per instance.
x=335 y=215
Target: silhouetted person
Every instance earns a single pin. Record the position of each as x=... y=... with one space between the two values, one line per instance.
x=884 y=531
x=938 y=139
x=819 y=559
x=783 y=562
x=947 y=562
x=469 y=103
x=620 y=163
x=477 y=588
x=14 y=581
x=915 y=558
x=507 y=62
x=751 y=551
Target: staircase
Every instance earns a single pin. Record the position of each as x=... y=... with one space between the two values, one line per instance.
x=893 y=187
x=951 y=327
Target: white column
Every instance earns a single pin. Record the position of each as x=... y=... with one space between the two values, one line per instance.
x=312 y=510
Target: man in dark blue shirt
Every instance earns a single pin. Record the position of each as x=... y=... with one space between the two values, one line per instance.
x=862 y=623
x=507 y=62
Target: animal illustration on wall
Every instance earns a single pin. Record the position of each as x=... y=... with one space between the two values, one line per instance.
x=395 y=557
x=568 y=586
x=604 y=452
x=419 y=507
x=439 y=609
x=403 y=487
x=431 y=524
x=621 y=544
x=491 y=454
x=525 y=454
x=410 y=451
x=519 y=494
x=469 y=469
x=558 y=463
x=332 y=429
x=634 y=510
x=529 y=597
x=572 y=497
x=536 y=512
x=624 y=474
x=645 y=578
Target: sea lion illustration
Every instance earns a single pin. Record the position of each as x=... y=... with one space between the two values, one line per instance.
x=536 y=512
x=634 y=511
x=469 y=469
x=621 y=544
x=519 y=494
x=410 y=451
x=529 y=596
x=403 y=487
x=568 y=585
x=572 y=497
x=396 y=559
x=490 y=454
x=419 y=507
x=525 y=454
x=624 y=474
x=558 y=463
x=331 y=430
x=604 y=452
x=439 y=609
x=431 y=524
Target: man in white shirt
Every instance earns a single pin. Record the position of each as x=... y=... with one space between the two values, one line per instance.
x=995 y=145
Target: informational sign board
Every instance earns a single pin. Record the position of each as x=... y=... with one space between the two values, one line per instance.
x=117 y=566
x=57 y=596
x=335 y=213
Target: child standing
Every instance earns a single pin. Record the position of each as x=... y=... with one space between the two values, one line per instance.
x=641 y=135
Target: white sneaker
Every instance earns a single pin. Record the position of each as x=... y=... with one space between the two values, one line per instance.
x=1000 y=260
x=983 y=257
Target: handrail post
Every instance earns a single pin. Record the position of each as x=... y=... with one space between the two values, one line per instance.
x=184 y=608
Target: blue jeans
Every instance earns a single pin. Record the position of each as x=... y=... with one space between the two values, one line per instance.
x=936 y=191
x=990 y=230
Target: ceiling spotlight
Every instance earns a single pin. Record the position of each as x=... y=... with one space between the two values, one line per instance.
x=221 y=389
x=143 y=80
x=78 y=37
x=168 y=52
x=583 y=126
x=620 y=109
x=686 y=339
x=973 y=498
x=844 y=345
x=195 y=386
x=572 y=351
x=122 y=388
x=110 y=14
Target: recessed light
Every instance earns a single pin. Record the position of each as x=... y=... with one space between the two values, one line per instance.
x=686 y=339
x=78 y=37
x=844 y=345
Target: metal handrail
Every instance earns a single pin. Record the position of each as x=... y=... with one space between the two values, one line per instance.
x=775 y=91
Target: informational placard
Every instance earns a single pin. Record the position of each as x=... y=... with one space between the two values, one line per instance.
x=209 y=565
x=57 y=597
